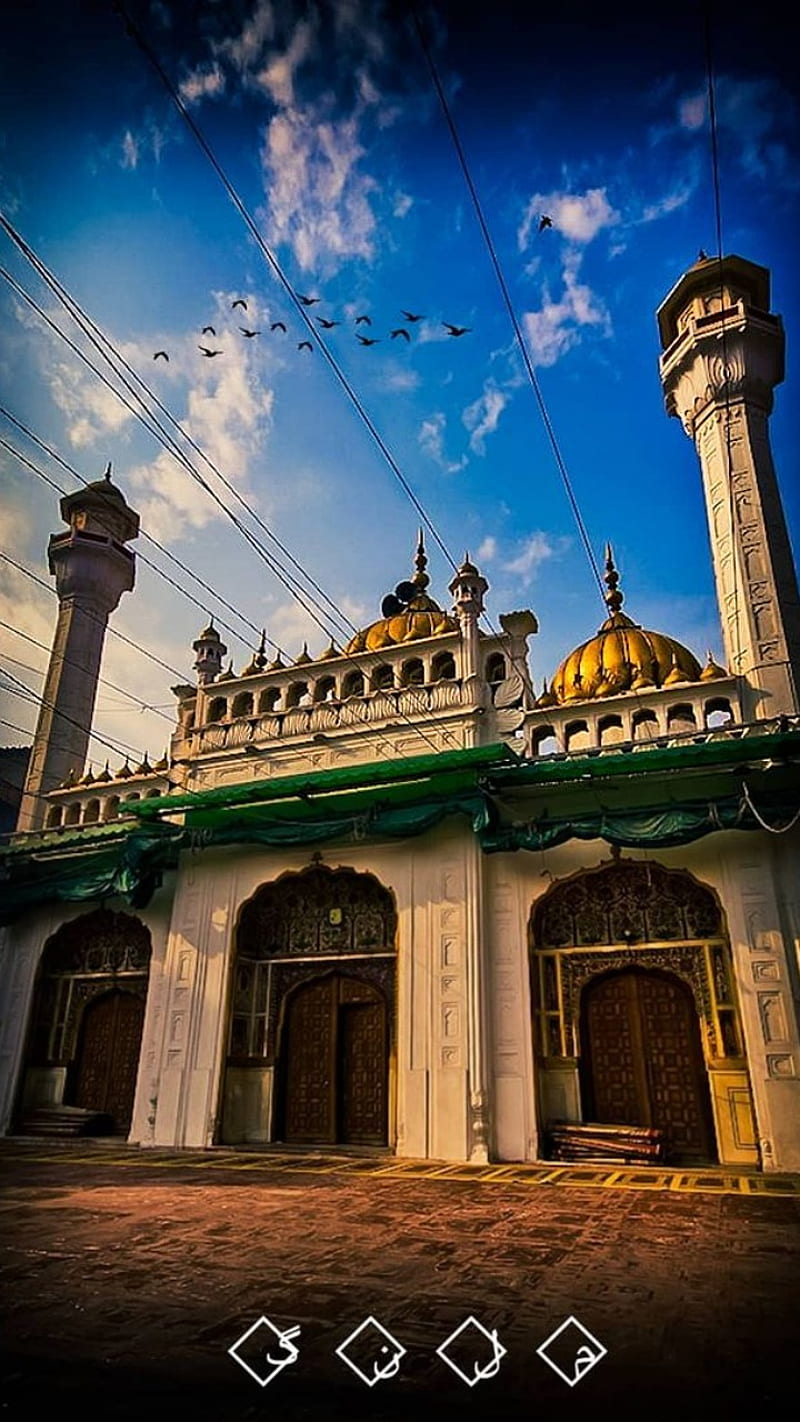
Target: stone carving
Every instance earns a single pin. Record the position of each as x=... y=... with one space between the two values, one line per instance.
x=628 y=902
x=320 y=910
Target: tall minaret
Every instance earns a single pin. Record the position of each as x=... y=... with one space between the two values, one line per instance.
x=92 y=568
x=467 y=589
x=722 y=357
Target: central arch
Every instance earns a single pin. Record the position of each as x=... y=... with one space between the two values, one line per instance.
x=636 y=1020
x=311 y=1027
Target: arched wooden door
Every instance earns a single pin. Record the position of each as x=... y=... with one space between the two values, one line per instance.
x=334 y=1068
x=108 y=1056
x=642 y=1061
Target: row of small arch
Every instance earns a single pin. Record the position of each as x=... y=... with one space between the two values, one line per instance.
x=94 y=811
x=331 y=688
x=645 y=726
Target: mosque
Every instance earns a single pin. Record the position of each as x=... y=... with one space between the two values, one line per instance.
x=397 y=898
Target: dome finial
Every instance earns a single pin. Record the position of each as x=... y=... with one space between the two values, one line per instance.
x=421 y=579
x=614 y=598
x=108 y=472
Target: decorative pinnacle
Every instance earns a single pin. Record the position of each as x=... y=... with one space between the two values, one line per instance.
x=260 y=658
x=108 y=472
x=614 y=598
x=421 y=579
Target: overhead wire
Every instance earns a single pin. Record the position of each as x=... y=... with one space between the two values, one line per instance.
x=140 y=557
x=299 y=596
x=148 y=538
x=71 y=662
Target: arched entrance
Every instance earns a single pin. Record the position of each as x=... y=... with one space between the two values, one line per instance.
x=642 y=1059
x=635 y=1014
x=86 y=1025
x=334 y=1065
x=311 y=1030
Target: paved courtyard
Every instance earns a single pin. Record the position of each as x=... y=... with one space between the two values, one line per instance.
x=126 y=1276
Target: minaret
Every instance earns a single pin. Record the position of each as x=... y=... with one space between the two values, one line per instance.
x=209 y=652
x=467 y=589
x=92 y=568
x=723 y=354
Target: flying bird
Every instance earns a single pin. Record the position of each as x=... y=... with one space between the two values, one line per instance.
x=328 y=324
x=456 y=330
x=365 y=341
x=409 y=316
x=278 y=326
x=208 y=331
x=305 y=346
x=161 y=353
x=363 y=320
x=239 y=302
x=207 y=352
x=308 y=300
x=245 y=332
x=545 y=221
x=401 y=332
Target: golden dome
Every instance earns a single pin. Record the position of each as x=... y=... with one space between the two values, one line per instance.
x=416 y=616
x=712 y=671
x=622 y=656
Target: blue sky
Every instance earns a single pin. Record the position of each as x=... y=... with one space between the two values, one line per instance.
x=326 y=121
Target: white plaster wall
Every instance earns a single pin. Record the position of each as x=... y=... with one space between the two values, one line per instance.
x=185 y=1032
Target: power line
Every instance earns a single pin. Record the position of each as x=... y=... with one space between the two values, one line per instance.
x=300 y=597
x=6 y=557
x=28 y=694
x=562 y=468
x=70 y=662
x=140 y=557
x=157 y=430
x=252 y=227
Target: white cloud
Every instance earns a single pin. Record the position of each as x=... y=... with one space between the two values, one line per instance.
x=130 y=151
x=319 y=199
x=400 y=380
x=483 y=415
x=206 y=82
x=557 y=326
x=244 y=50
x=758 y=113
x=403 y=204
x=577 y=216
x=487 y=550
x=431 y=442
x=531 y=553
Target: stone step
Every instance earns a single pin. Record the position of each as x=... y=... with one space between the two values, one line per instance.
x=66 y=1121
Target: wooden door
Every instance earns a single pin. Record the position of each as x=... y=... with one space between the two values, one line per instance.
x=108 y=1056
x=310 y=1065
x=335 y=1064
x=362 y=1075
x=642 y=1060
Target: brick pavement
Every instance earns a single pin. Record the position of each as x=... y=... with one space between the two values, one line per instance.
x=125 y=1279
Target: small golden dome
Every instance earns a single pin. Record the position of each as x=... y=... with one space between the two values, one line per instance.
x=145 y=768
x=546 y=699
x=420 y=617
x=712 y=671
x=104 y=774
x=304 y=659
x=124 y=772
x=622 y=656
x=89 y=778
x=329 y=653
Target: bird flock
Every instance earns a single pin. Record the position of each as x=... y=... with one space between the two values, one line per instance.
x=397 y=333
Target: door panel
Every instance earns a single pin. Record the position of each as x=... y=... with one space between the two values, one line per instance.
x=335 y=1077
x=310 y=1110
x=362 y=1076
x=108 y=1057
